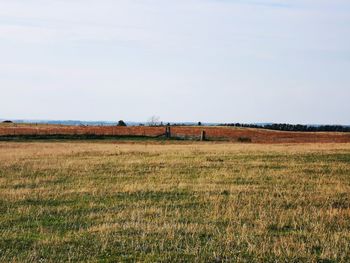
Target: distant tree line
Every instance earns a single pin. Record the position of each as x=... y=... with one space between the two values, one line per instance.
x=154 y=121
x=293 y=127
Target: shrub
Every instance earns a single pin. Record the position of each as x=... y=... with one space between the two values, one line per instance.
x=244 y=139
x=121 y=123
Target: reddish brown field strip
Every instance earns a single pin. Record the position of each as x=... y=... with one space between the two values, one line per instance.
x=212 y=133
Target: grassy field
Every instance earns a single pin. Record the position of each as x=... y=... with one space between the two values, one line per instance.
x=201 y=202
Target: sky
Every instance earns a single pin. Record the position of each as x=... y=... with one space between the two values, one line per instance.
x=182 y=60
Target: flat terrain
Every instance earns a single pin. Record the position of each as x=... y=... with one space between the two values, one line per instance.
x=214 y=133
x=201 y=202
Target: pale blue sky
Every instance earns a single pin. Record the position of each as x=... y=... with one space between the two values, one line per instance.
x=183 y=60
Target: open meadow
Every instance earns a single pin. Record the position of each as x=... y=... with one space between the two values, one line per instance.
x=174 y=201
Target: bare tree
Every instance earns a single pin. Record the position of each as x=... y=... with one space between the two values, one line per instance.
x=153 y=121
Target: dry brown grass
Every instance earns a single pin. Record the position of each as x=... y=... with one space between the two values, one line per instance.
x=30 y=131
x=180 y=202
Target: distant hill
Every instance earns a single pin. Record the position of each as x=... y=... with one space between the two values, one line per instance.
x=101 y=123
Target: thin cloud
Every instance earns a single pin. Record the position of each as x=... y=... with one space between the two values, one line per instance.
x=184 y=60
